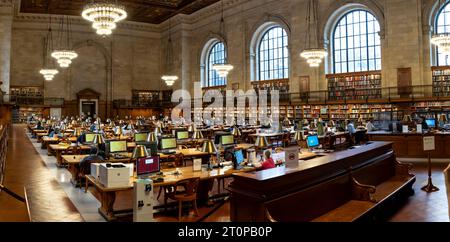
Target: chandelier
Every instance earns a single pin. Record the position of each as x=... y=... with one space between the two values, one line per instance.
x=63 y=54
x=313 y=56
x=222 y=69
x=441 y=40
x=104 y=16
x=169 y=78
x=48 y=71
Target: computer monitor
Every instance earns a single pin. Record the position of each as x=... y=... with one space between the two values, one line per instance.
x=118 y=146
x=147 y=165
x=239 y=157
x=182 y=135
x=227 y=140
x=90 y=138
x=312 y=141
x=431 y=123
x=168 y=143
x=141 y=137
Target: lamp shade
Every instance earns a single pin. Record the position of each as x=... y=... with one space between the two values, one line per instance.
x=298 y=135
x=191 y=128
x=407 y=118
x=77 y=132
x=261 y=142
x=443 y=118
x=98 y=139
x=139 y=152
x=236 y=132
x=158 y=130
x=209 y=147
x=152 y=137
x=197 y=135
x=119 y=130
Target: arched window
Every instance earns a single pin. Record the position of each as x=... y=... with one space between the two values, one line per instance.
x=442 y=25
x=216 y=55
x=273 y=55
x=356 y=43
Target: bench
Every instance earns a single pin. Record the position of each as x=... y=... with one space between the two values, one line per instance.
x=362 y=194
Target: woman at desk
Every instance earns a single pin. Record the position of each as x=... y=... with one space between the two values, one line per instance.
x=269 y=163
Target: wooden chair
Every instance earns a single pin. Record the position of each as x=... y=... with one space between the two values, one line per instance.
x=447 y=185
x=187 y=194
x=173 y=162
x=286 y=139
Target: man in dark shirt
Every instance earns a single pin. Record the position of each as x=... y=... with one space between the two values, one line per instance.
x=424 y=123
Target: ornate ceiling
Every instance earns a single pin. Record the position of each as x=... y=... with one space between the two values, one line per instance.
x=147 y=11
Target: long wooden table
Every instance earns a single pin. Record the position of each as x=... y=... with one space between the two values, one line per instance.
x=59 y=150
x=108 y=195
x=410 y=145
x=54 y=140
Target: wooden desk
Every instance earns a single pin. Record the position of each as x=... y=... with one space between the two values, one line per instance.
x=59 y=150
x=108 y=195
x=40 y=135
x=410 y=145
x=54 y=140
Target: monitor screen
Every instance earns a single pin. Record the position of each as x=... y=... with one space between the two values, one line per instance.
x=168 y=143
x=227 y=140
x=182 y=135
x=90 y=138
x=118 y=146
x=140 y=137
x=239 y=157
x=312 y=141
x=147 y=165
x=431 y=123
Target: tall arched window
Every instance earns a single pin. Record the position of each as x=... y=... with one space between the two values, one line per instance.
x=216 y=55
x=273 y=55
x=356 y=43
x=442 y=25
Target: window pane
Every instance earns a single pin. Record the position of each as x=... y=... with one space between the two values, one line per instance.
x=443 y=26
x=354 y=34
x=273 y=50
x=217 y=55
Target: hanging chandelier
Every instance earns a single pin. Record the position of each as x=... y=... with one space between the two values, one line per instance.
x=170 y=79
x=48 y=71
x=104 y=16
x=222 y=69
x=441 y=40
x=63 y=54
x=313 y=55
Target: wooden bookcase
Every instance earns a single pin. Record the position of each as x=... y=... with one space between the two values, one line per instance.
x=354 y=86
x=142 y=98
x=441 y=81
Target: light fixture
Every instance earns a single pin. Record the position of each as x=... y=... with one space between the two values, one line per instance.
x=104 y=15
x=139 y=152
x=169 y=78
x=261 y=142
x=152 y=137
x=441 y=40
x=63 y=53
x=224 y=68
x=48 y=71
x=197 y=135
x=313 y=55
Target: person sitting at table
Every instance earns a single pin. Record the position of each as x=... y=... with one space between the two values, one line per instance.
x=268 y=163
x=351 y=127
x=370 y=126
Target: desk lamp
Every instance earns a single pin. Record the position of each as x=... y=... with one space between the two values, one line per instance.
x=139 y=152
x=198 y=135
x=152 y=137
x=98 y=140
x=119 y=131
x=407 y=118
x=191 y=128
x=210 y=148
x=77 y=132
x=261 y=143
x=236 y=132
x=158 y=131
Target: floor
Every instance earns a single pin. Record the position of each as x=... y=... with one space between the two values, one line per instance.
x=62 y=202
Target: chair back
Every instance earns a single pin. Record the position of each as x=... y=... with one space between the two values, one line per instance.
x=447 y=185
x=190 y=185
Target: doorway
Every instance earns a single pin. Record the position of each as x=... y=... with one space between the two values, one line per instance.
x=89 y=108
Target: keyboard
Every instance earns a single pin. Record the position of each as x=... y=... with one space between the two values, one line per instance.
x=169 y=152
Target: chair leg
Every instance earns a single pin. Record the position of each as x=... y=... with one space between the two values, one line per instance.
x=180 y=207
x=159 y=193
x=195 y=208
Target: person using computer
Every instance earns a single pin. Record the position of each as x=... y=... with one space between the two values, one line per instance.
x=424 y=123
x=370 y=126
x=267 y=164
x=351 y=127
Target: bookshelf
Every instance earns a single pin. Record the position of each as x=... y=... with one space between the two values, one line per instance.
x=354 y=86
x=441 y=81
x=282 y=85
x=27 y=95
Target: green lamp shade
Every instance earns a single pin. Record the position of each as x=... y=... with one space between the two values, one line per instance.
x=152 y=137
x=98 y=139
x=261 y=142
x=209 y=147
x=197 y=135
x=139 y=152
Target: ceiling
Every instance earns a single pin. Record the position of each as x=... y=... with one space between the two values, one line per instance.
x=146 y=11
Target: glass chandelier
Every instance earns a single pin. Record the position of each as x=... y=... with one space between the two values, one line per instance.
x=313 y=55
x=48 y=71
x=104 y=15
x=441 y=40
x=224 y=68
x=170 y=79
x=64 y=54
